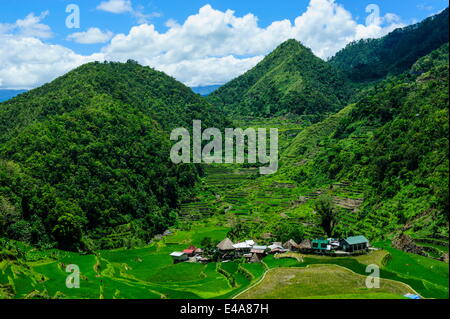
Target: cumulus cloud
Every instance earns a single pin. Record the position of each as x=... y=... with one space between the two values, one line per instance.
x=30 y=26
x=115 y=6
x=208 y=71
x=212 y=46
x=91 y=36
x=28 y=62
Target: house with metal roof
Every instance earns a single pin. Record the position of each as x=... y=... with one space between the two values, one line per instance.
x=258 y=249
x=190 y=251
x=320 y=245
x=276 y=247
x=179 y=256
x=264 y=248
x=354 y=243
x=244 y=246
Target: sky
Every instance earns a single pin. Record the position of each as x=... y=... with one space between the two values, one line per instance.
x=198 y=42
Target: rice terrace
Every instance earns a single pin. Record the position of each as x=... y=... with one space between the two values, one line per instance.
x=348 y=199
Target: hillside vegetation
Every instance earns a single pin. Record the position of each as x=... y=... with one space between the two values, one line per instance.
x=373 y=59
x=393 y=143
x=289 y=80
x=87 y=156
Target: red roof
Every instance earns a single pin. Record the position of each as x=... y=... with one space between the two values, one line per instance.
x=188 y=251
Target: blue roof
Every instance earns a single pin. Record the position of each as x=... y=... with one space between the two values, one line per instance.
x=355 y=240
x=412 y=296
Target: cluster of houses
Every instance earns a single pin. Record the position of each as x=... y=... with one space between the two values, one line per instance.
x=255 y=253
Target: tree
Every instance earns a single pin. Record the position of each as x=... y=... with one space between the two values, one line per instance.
x=8 y=215
x=286 y=230
x=69 y=224
x=326 y=210
x=206 y=242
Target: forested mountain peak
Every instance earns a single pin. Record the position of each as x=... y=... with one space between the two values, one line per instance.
x=291 y=79
x=88 y=155
x=373 y=59
x=167 y=101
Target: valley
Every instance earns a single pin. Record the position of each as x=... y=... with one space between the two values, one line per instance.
x=86 y=178
x=270 y=207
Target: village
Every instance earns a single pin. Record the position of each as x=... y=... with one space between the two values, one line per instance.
x=249 y=250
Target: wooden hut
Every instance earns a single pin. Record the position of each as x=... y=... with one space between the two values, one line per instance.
x=256 y=258
x=290 y=245
x=305 y=246
x=225 y=245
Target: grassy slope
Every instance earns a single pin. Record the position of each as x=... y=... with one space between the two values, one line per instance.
x=321 y=282
x=426 y=276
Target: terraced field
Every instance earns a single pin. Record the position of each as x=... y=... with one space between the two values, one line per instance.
x=137 y=273
x=149 y=273
x=231 y=195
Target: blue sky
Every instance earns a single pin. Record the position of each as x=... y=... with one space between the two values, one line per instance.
x=212 y=48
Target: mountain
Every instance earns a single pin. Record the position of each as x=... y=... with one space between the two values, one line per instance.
x=9 y=94
x=393 y=145
x=374 y=59
x=205 y=90
x=167 y=101
x=87 y=156
x=291 y=79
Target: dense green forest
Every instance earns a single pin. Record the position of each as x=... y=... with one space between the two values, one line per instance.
x=89 y=153
x=373 y=59
x=290 y=80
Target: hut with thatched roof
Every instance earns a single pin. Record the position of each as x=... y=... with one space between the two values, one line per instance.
x=305 y=246
x=290 y=245
x=225 y=245
x=256 y=258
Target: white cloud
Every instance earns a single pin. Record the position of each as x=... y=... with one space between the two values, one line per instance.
x=115 y=6
x=209 y=71
x=210 y=47
x=91 y=36
x=213 y=46
x=125 y=6
x=28 y=62
x=30 y=26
